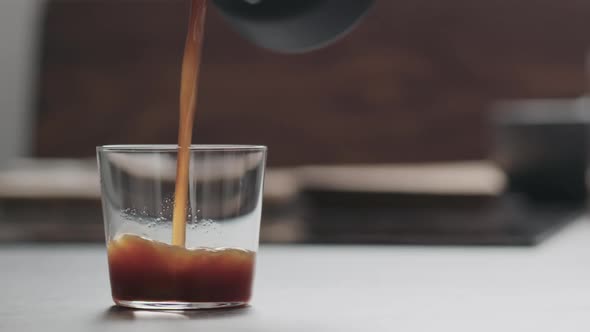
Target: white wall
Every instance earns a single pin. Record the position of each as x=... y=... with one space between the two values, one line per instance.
x=19 y=41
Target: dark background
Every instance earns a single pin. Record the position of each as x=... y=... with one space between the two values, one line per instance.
x=413 y=82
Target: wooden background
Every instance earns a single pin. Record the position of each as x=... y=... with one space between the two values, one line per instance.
x=412 y=83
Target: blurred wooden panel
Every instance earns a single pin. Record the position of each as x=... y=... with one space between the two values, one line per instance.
x=411 y=83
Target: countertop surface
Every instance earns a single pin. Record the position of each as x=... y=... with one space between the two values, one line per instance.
x=326 y=288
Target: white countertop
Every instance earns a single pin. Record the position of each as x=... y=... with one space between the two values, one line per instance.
x=322 y=288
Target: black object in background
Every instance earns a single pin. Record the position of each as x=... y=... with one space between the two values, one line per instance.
x=543 y=147
x=293 y=26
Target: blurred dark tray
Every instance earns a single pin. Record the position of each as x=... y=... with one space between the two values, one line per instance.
x=330 y=217
x=432 y=219
x=51 y=220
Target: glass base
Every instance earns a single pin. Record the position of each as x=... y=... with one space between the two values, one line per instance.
x=178 y=305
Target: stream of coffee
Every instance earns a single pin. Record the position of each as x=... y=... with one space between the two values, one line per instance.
x=144 y=271
x=189 y=86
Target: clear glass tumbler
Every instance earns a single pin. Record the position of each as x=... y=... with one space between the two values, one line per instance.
x=216 y=266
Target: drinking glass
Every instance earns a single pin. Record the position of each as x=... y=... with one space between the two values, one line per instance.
x=216 y=266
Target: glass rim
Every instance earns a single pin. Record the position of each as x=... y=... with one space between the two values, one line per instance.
x=129 y=148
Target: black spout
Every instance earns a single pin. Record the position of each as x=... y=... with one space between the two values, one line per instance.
x=293 y=26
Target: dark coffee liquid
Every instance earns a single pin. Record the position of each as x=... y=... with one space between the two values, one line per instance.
x=144 y=270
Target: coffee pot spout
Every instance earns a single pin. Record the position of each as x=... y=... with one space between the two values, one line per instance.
x=293 y=26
